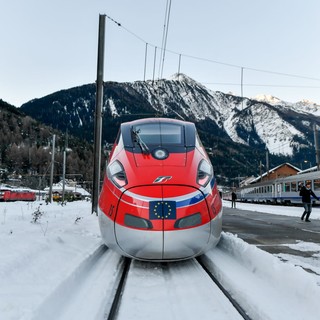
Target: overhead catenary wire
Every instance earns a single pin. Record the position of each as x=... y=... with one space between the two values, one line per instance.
x=240 y=67
x=260 y=85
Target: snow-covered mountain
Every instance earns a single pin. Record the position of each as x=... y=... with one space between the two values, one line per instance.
x=283 y=128
x=303 y=106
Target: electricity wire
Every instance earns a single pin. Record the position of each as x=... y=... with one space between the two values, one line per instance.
x=162 y=59
x=163 y=47
x=260 y=85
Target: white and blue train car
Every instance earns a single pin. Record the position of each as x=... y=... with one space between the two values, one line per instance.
x=280 y=190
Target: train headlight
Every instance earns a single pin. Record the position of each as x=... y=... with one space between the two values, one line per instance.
x=137 y=222
x=188 y=222
x=116 y=174
x=205 y=173
x=160 y=154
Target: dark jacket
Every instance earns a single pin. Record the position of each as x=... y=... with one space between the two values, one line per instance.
x=306 y=194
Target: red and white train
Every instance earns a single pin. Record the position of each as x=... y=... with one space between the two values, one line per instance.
x=8 y=193
x=159 y=200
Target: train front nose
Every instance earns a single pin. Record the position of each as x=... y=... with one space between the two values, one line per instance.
x=166 y=223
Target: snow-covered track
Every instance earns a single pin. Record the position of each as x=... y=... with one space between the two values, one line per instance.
x=175 y=290
x=107 y=286
x=76 y=297
x=111 y=315
x=225 y=291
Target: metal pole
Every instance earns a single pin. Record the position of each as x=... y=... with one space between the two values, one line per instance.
x=267 y=162
x=316 y=145
x=145 y=62
x=154 y=63
x=52 y=167
x=241 y=88
x=64 y=175
x=98 y=116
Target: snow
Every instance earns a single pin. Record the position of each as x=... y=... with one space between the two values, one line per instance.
x=112 y=107
x=38 y=257
x=267 y=98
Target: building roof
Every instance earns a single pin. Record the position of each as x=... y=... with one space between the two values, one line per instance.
x=57 y=187
x=259 y=178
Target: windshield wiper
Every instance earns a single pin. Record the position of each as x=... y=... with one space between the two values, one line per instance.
x=140 y=142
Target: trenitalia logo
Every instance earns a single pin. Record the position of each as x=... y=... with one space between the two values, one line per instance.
x=162 y=179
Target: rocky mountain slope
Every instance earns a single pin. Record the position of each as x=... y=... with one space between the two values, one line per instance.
x=227 y=123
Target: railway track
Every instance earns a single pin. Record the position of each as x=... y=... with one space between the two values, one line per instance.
x=196 y=290
x=233 y=301
x=107 y=286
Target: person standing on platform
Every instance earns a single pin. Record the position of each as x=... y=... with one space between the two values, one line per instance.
x=233 y=199
x=306 y=193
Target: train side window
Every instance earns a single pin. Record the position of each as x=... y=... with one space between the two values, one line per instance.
x=286 y=187
x=316 y=184
x=294 y=186
x=309 y=181
x=300 y=185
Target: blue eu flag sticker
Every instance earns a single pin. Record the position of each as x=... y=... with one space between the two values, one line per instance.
x=162 y=210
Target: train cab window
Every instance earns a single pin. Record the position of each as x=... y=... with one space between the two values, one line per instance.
x=160 y=134
x=316 y=184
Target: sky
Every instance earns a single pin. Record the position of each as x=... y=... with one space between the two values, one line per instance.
x=273 y=46
x=55 y=268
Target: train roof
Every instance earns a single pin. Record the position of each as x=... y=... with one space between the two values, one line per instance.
x=255 y=180
x=297 y=178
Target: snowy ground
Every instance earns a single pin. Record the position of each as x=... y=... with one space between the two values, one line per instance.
x=38 y=255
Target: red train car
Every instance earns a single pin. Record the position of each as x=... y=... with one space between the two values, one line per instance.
x=159 y=200
x=8 y=194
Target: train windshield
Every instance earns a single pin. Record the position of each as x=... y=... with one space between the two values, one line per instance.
x=160 y=134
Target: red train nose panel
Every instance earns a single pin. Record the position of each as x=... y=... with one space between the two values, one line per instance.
x=160 y=210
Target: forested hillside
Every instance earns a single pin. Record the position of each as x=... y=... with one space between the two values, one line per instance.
x=25 y=151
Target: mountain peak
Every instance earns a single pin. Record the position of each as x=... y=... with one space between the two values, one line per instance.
x=267 y=98
x=306 y=102
x=184 y=78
